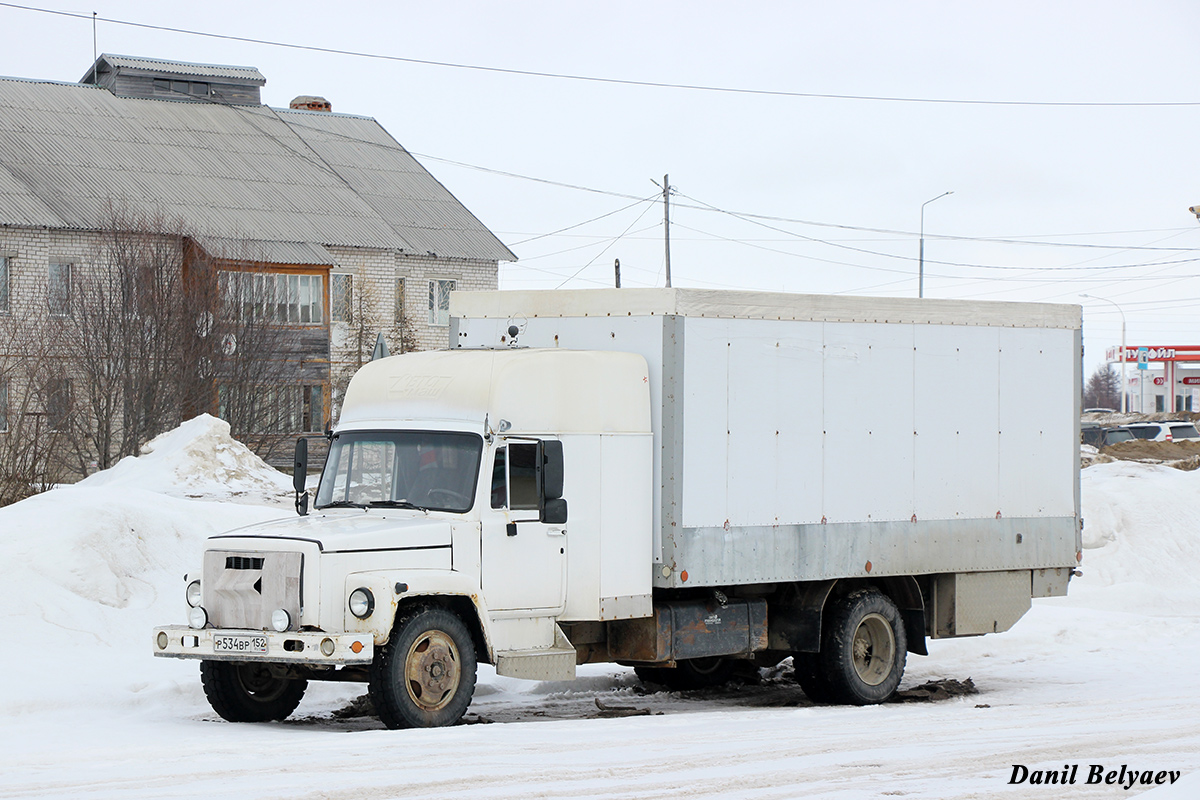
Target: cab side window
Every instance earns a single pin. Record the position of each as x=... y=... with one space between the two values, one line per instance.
x=522 y=474
x=499 y=482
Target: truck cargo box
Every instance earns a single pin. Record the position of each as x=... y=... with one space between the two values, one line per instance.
x=807 y=437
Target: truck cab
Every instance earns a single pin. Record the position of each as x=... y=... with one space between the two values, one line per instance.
x=459 y=518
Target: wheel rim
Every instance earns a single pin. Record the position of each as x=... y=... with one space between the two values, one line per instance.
x=258 y=682
x=431 y=671
x=874 y=649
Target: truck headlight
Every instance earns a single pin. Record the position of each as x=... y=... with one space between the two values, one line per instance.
x=281 y=620
x=193 y=594
x=362 y=603
x=197 y=617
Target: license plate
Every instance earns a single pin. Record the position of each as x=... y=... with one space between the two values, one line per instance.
x=239 y=644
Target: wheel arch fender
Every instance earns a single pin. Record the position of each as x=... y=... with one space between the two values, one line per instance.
x=905 y=592
x=796 y=616
x=400 y=589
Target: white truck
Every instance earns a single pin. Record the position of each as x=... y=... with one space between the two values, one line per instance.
x=681 y=481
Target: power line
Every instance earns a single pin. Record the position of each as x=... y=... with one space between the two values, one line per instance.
x=607 y=247
x=617 y=81
x=753 y=221
x=748 y=216
x=581 y=224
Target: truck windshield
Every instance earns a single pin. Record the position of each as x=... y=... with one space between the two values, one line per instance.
x=401 y=469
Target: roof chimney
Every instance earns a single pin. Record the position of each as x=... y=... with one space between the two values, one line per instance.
x=306 y=102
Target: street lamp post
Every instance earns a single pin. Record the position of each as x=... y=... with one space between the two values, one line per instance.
x=921 y=271
x=1124 y=387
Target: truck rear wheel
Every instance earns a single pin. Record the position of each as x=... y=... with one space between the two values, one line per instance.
x=691 y=673
x=245 y=692
x=863 y=649
x=425 y=676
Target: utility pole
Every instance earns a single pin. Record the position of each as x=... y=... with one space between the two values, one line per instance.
x=667 y=223
x=617 y=270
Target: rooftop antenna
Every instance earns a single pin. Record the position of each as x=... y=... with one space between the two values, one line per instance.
x=95 y=54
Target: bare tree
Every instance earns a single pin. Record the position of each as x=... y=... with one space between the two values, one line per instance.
x=369 y=317
x=121 y=342
x=30 y=446
x=252 y=344
x=154 y=330
x=1103 y=389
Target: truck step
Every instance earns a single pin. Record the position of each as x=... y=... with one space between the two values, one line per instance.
x=555 y=663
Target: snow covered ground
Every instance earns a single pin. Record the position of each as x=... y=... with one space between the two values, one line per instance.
x=1107 y=676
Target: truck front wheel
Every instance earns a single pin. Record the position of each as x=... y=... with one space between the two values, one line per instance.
x=863 y=649
x=424 y=677
x=249 y=692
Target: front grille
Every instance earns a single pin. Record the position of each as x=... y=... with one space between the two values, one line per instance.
x=242 y=589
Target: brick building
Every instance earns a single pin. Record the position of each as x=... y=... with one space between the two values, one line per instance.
x=327 y=208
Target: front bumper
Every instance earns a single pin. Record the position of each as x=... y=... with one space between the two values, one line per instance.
x=291 y=647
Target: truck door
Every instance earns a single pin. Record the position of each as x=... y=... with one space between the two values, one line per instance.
x=523 y=560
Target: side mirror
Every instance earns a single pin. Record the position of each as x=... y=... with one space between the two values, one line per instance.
x=550 y=465
x=300 y=475
x=554 y=512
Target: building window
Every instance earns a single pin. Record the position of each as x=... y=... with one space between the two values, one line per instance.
x=312 y=413
x=3 y=404
x=58 y=289
x=264 y=409
x=439 y=301
x=290 y=299
x=399 y=300
x=3 y=284
x=58 y=404
x=341 y=298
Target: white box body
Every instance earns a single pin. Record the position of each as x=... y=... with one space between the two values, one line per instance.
x=806 y=437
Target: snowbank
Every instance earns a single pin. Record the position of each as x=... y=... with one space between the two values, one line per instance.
x=199 y=459
x=1141 y=537
x=87 y=569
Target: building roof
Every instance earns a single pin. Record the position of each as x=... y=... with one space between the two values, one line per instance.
x=156 y=65
x=241 y=172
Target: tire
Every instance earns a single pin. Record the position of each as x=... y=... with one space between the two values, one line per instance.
x=248 y=692
x=692 y=673
x=863 y=648
x=424 y=676
x=811 y=676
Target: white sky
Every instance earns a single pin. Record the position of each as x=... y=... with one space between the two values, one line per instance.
x=1122 y=177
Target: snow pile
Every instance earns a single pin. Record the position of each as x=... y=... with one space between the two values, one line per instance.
x=87 y=569
x=198 y=459
x=1141 y=536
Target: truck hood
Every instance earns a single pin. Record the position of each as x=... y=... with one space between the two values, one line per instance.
x=343 y=530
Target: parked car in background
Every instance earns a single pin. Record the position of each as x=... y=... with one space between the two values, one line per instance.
x=1100 y=436
x=1169 y=431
